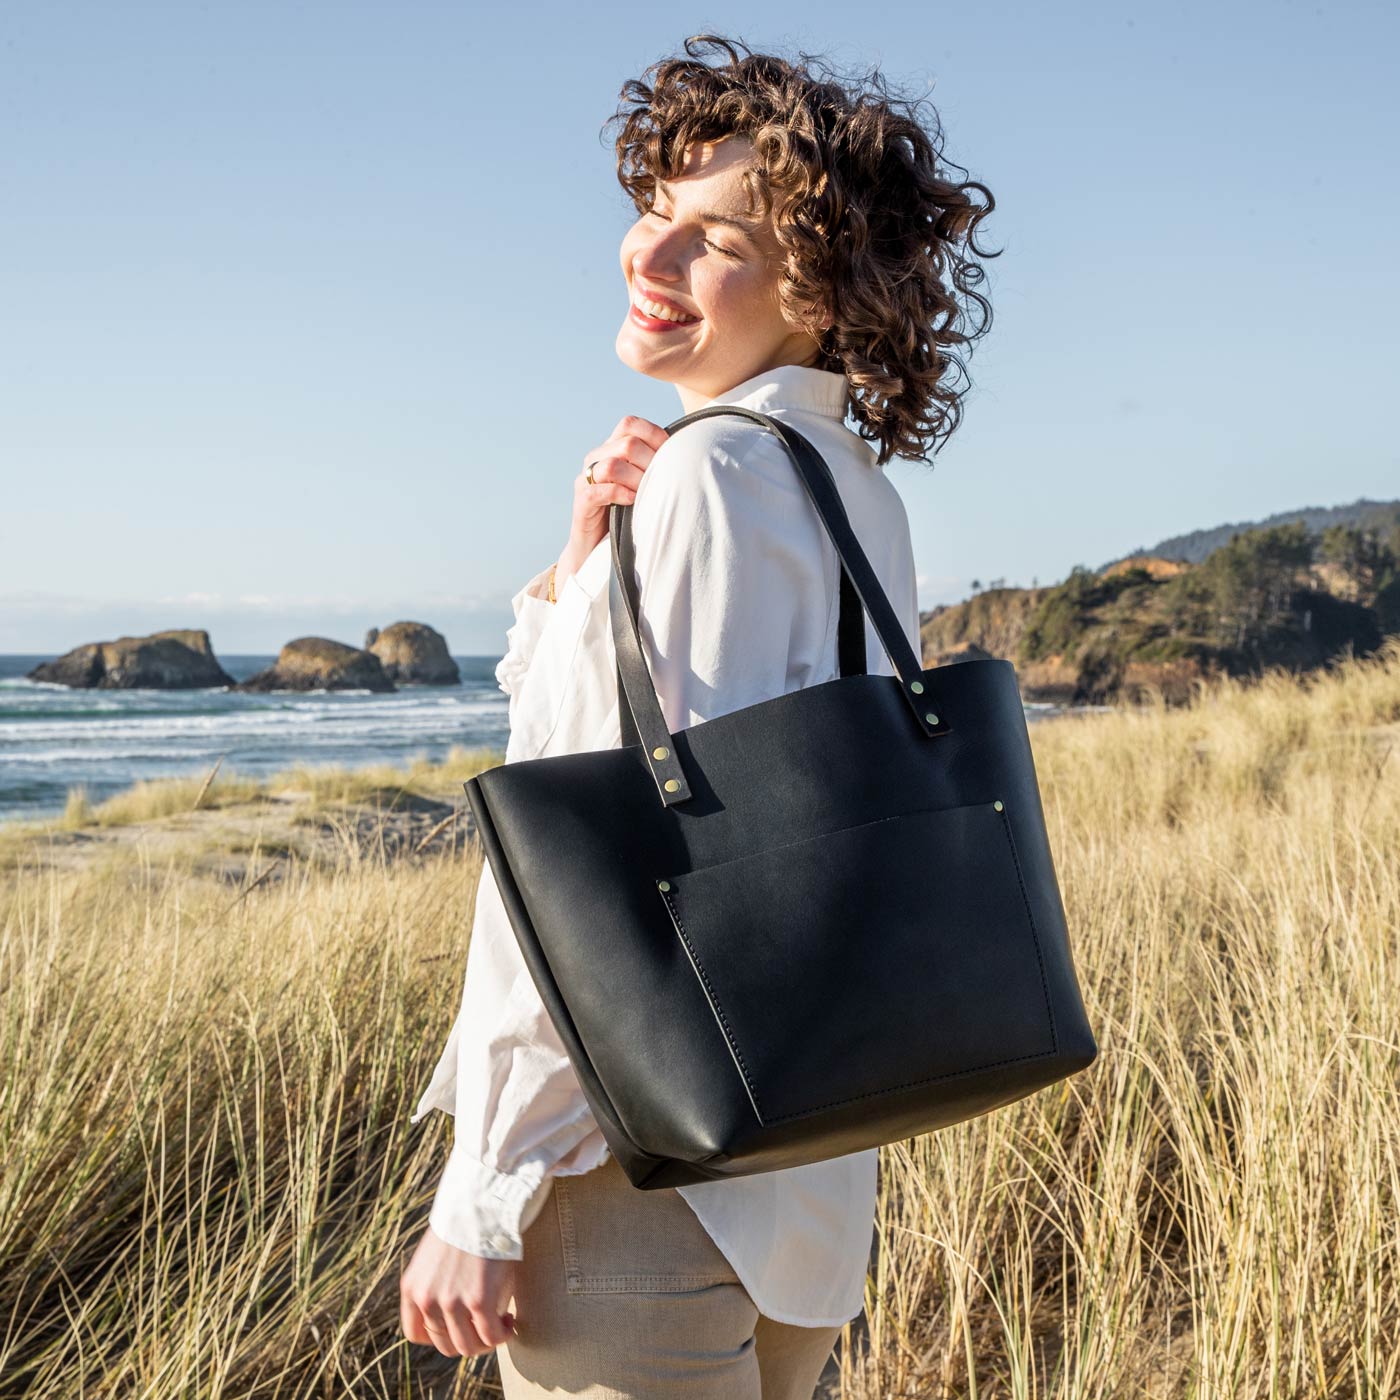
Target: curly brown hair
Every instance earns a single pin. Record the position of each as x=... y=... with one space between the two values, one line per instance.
x=873 y=229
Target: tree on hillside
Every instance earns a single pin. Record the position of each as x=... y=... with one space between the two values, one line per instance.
x=1364 y=559
x=1057 y=622
x=1250 y=581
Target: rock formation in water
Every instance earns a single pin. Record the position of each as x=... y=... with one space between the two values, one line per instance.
x=412 y=653
x=317 y=663
x=179 y=659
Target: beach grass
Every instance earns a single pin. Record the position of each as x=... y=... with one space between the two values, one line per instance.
x=210 y=1183
x=384 y=784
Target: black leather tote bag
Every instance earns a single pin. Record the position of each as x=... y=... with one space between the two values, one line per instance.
x=808 y=927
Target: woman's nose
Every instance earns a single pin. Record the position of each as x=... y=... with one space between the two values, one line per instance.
x=658 y=257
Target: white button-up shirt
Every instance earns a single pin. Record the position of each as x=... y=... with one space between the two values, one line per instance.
x=739 y=588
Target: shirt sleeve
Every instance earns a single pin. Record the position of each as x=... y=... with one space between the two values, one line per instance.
x=727 y=561
x=532 y=610
x=520 y=1116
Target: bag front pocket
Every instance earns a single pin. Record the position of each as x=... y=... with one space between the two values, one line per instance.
x=868 y=960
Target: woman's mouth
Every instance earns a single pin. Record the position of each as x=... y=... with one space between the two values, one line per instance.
x=639 y=315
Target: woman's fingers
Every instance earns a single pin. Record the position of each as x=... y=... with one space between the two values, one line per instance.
x=454 y=1301
x=446 y=1326
x=436 y=1328
x=424 y=1324
x=652 y=434
x=462 y=1330
x=611 y=470
x=411 y=1320
x=627 y=453
x=490 y=1326
x=636 y=449
x=616 y=468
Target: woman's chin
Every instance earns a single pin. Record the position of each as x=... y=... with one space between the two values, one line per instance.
x=648 y=354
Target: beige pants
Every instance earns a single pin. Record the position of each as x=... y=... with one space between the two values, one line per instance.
x=623 y=1295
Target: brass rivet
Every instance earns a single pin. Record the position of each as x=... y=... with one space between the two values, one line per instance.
x=660 y=751
x=997 y=805
x=917 y=687
x=672 y=785
x=931 y=717
x=663 y=884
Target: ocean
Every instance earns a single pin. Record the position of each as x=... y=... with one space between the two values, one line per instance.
x=53 y=737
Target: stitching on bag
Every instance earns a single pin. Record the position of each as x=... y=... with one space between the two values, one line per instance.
x=714 y=1001
x=1035 y=936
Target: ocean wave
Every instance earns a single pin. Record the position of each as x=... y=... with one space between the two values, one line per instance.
x=43 y=758
x=275 y=735
x=53 y=738
x=353 y=750
x=366 y=718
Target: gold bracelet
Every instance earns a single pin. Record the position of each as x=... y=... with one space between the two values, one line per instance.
x=550 y=594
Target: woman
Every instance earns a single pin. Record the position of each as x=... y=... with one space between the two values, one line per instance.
x=797 y=250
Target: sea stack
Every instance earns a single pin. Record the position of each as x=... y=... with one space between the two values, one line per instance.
x=317 y=663
x=412 y=653
x=179 y=659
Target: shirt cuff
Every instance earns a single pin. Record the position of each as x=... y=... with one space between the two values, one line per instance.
x=483 y=1211
x=532 y=610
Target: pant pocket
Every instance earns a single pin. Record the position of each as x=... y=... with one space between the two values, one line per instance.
x=618 y=1239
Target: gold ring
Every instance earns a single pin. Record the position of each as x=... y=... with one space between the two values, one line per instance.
x=436 y=1331
x=588 y=475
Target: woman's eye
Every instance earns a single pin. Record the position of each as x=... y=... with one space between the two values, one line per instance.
x=705 y=241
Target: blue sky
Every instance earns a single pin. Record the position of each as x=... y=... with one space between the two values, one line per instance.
x=308 y=309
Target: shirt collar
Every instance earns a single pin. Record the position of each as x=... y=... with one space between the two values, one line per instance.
x=791 y=386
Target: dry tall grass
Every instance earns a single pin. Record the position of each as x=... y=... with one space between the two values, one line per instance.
x=1212 y=1209
x=209 y=1180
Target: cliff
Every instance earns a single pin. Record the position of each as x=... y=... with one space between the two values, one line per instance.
x=1269 y=597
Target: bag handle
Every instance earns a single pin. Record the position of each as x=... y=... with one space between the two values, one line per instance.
x=640 y=710
x=850 y=630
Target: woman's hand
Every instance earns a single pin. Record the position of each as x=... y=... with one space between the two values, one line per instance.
x=456 y=1301
x=618 y=465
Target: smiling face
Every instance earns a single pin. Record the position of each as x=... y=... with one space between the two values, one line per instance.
x=703 y=255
